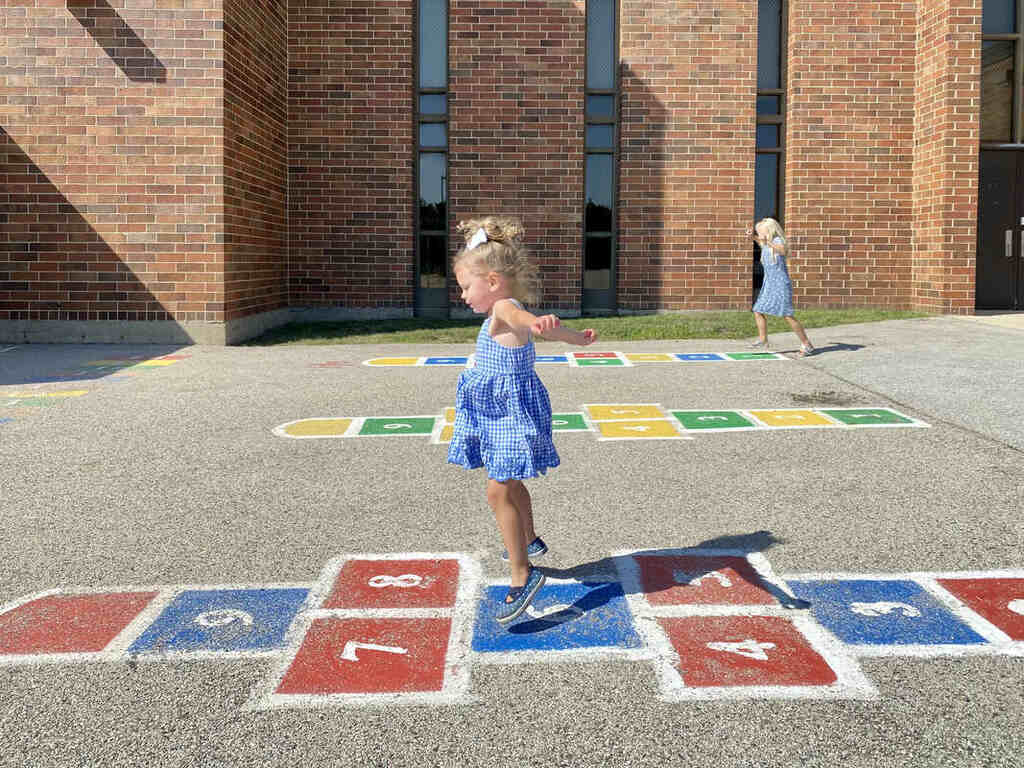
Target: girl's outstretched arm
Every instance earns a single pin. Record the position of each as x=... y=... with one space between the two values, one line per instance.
x=546 y=326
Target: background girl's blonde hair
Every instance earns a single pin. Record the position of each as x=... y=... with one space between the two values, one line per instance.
x=775 y=231
x=504 y=253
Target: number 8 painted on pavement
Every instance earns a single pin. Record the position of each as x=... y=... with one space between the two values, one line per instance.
x=405 y=580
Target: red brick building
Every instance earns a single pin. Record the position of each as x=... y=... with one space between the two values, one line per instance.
x=207 y=169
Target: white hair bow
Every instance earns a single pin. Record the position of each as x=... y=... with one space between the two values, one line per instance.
x=479 y=238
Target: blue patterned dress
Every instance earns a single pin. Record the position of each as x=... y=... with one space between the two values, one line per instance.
x=502 y=413
x=776 y=296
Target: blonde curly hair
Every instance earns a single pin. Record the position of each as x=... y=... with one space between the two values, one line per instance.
x=503 y=253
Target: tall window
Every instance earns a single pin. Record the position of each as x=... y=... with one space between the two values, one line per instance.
x=432 y=165
x=1002 y=72
x=601 y=120
x=771 y=117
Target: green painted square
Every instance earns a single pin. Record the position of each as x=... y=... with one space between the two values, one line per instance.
x=712 y=419
x=751 y=355
x=864 y=416
x=397 y=425
x=599 y=361
x=568 y=421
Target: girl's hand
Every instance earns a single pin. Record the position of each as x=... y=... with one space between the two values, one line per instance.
x=544 y=324
x=589 y=336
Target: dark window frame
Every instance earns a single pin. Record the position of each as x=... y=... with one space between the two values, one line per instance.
x=1017 y=121
x=613 y=151
x=419 y=118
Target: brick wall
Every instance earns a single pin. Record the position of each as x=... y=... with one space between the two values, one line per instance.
x=945 y=203
x=255 y=156
x=350 y=153
x=689 y=79
x=111 y=151
x=516 y=140
x=849 y=157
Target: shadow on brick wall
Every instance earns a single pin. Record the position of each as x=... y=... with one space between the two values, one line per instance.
x=119 y=40
x=53 y=265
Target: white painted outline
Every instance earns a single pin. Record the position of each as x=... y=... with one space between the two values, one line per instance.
x=997 y=642
x=568 y=655
x=7 y=349
x=117 y=649
x=851 y=683
x=454 y=689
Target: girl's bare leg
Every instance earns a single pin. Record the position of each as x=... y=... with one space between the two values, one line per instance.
x=499 y=496
x=762 y=327
x=524 y=505
x=799 y=331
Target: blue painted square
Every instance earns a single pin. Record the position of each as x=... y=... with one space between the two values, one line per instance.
x=446 y=361
x=883 y=612
x=6 y=421
x=552 y=359
x=690 y=357
x=594 y=615
x=222 y=620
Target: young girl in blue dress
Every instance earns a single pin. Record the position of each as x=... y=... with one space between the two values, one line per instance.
x=502 y=410
x=776 y=296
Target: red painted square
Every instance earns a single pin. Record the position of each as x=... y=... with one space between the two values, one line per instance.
x=725 y=651
x=395 y=584
x=69 y=623
x=414 y=661
x=591 y=355
x=697 y=580
x=1000 y=601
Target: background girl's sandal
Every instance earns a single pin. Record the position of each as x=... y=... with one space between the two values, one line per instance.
x=806 y=350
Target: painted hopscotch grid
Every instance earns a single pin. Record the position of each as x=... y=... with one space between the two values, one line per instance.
x=614 y=421
x=610 y=359
x=112 y=369
x=722 y=626
x=379 y=630
x=157 y=623
x=924 y=614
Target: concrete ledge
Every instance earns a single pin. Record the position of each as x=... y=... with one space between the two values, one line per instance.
x=110 y=332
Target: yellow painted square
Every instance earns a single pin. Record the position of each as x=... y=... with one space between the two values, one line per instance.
x=792 y=419
x=639 y=429
x=446 y=434
x=649 y=357
x=449 y=415
x=156 y=363
x=393 y=361
x=68 y=393
x=318 y=427
x=626 y=411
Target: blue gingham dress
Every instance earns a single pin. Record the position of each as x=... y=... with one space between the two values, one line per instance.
x=776 y=296
x=502 y=413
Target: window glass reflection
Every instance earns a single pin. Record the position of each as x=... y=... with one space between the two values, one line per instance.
x=433 y=261
x=433 y=211
x=433 y=103
x=997 y=66
x=601 y=105
x=766 y=186
x=600 y=184
x=769 y=44
x=597 y=264
x=433 y=135
x=433 y=42
x=998 y=17
x=600 y=44
x=768 y=105
x=767 y=136
x=600 y=136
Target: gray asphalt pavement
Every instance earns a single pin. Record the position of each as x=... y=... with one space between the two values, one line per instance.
x=173 y=475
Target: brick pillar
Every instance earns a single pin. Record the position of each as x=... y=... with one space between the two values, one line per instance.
x=946 y=154
x=351 y=149
x=111 y=171
x=689 y=79
x=516 y=140
x=849 y=155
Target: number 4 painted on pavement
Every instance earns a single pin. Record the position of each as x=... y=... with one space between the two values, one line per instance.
x=349 y=652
